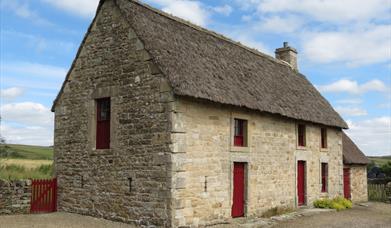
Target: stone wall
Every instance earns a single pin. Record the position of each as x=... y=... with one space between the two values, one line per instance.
x=129 y=182
x=203 y=162
x=358 y=183
x=15 y=196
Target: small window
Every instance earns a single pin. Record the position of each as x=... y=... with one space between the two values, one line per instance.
x=103 y=107
x=301 y=135
x=240 y=133
x=323 y=137
x=324 y=171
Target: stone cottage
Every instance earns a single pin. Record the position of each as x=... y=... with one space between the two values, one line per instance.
x=163 y=123
x=354 y=171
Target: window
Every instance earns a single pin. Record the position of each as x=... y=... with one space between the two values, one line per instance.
x=301 y=135
x=323 y=137
x=103 y=123
x=240 y=133
x=324 y=171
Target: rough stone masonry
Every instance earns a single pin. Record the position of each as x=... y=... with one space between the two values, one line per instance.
x=15 y=196
x=171 y=157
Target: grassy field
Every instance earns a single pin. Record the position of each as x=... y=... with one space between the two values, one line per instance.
x=27 y=163
x=24 y=162
x=30 y=152
x=380 y=160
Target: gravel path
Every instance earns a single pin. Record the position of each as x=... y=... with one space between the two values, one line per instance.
x=57 y=220
x=375 y=215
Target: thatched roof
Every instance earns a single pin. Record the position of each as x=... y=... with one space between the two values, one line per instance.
x=202 y=64
x=351 y=153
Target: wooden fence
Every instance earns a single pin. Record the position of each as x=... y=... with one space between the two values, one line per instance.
x=377 y=192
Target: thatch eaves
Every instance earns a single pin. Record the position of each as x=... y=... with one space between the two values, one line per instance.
x=202 y=64
x=352 y=155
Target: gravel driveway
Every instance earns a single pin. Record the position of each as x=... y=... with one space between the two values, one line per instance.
x=374 y=215
x=57 y=220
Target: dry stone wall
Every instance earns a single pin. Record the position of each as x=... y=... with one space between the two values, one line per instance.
x=129 y=182
x=203 y=162
x=15 y=196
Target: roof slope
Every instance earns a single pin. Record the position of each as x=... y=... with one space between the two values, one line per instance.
x=351 y=153
x=202 y=64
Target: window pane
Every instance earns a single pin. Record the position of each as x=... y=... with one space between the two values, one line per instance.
x=240 y=134
x=301 y=134
x=103 y=123
x=104 y=109
x=323 y=137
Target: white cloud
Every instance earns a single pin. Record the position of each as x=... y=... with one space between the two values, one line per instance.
x=278 y=24
x=349 y=101
x=27 y=135
x=352 y=87
x=38 y=43
x=27 y=113
x=192 y=11
x=11 y=93
x=33 y=69
x=372 y=135
x=351 y=111
x=252 y=43
x=188 y=10
x=22 y=9
x=225 y=10
x=358 y=47
x=330 y=31
x=335 y=11
x=246 y=18
x=84 y=8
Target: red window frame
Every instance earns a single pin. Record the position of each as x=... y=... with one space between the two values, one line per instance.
x=323 y=138
x=240 y=132
x=103 y=116
x=324 y=174
x=301 y=135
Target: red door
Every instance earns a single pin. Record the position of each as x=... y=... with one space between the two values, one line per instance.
x=301 y=182
x=238 y=191
x=346 y=183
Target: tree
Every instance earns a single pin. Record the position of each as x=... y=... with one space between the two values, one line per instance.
x=4 y=148
x=370 y=165
x=386 y=168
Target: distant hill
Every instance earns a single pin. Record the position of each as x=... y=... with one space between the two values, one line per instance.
x=30 y=152
x=380 y=160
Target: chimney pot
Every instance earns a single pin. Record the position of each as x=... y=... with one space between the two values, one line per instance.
x=287 y=54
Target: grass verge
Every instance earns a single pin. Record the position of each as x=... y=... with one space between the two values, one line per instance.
x=15 y=172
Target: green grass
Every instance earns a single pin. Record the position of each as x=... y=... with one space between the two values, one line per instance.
x=30 y=152
x=379 y=161
x=16 y=172
x=25 y=162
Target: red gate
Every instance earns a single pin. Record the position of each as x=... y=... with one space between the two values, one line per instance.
x=43 y=196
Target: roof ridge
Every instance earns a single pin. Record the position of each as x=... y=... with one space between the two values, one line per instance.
x=210 y=32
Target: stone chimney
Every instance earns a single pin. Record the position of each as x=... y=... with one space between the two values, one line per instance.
x=287 y=54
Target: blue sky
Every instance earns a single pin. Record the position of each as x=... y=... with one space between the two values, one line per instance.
x=344 y=50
